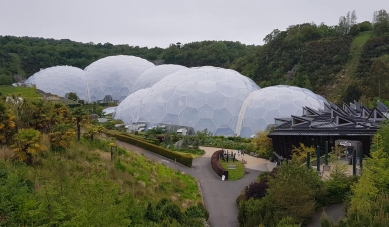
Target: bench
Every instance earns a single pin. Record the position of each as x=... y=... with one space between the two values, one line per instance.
x=231 y=166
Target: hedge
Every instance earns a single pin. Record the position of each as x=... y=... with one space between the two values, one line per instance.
x=185 y=159
x=216 y=166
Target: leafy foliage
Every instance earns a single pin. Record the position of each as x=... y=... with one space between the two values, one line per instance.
x=293 y=191
x=263 y=145
x=62 y=136
x=26 y=144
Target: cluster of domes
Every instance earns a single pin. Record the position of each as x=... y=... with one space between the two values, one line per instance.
x=220 y=100
x=200 y=98
x=110 y=78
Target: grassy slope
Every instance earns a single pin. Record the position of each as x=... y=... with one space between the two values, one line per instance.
x=84 y=175
x=23 y=91
x=346 y=75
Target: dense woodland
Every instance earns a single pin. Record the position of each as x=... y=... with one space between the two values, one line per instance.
x=343 y=62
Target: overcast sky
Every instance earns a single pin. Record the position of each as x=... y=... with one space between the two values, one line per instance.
x=162 y=22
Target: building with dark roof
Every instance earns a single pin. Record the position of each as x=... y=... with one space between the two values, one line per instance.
x=354 y=123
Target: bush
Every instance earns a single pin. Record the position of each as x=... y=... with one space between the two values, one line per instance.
x=257 y=190
x=185 y=159
x=338 y=190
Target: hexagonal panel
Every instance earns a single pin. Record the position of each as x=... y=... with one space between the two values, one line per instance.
x=206 y=111
x=246 y=132
x=171 y=119
x=185 y=88
x=259 y=125
x=287 y=109
x=222 y=118
x=258 y=112
x=270 y=115
x=206 y=86
x=216 y=100
x=227 y=89
x=188 y=116
x=176 y=104
x=196 y=99
x=205 y=124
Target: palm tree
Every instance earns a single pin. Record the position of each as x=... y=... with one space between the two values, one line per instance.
x=79 y=115
x=26 y=143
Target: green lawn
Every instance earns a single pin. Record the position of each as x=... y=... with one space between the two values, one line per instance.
x=233 y=174
x=27 y=92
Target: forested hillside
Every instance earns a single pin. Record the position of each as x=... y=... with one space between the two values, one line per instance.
x=343 y=62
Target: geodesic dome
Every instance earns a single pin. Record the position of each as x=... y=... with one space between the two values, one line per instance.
x=61 y=80
x=152 y=75
x=262 y=106
x=202 y=97
x=128 y=109
x=114 y=76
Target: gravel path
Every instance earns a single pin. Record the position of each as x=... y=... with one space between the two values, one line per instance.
x=219 y=196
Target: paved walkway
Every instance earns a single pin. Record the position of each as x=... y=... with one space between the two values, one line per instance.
x=219 y=196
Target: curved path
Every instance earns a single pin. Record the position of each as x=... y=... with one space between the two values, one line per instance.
x=219 y=196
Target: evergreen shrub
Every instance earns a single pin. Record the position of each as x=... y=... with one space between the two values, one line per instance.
x=185 y=159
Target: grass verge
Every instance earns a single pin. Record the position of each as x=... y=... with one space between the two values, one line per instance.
x=233 y=174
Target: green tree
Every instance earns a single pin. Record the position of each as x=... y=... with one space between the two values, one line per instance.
x=381 y=22
x=378 y=81
x=5 y=80
x=73 y=96
x=263 y=144
x=352 y=93
x=295 y=198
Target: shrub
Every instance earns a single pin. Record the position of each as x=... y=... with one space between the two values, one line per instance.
x=185 y=159
x=257 y=190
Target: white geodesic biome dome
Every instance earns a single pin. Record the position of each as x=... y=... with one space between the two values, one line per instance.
x=200 y=98
x=128 y=109
x=153 y=75
x=262 y=106
x=61 y=80
x=114 y=76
